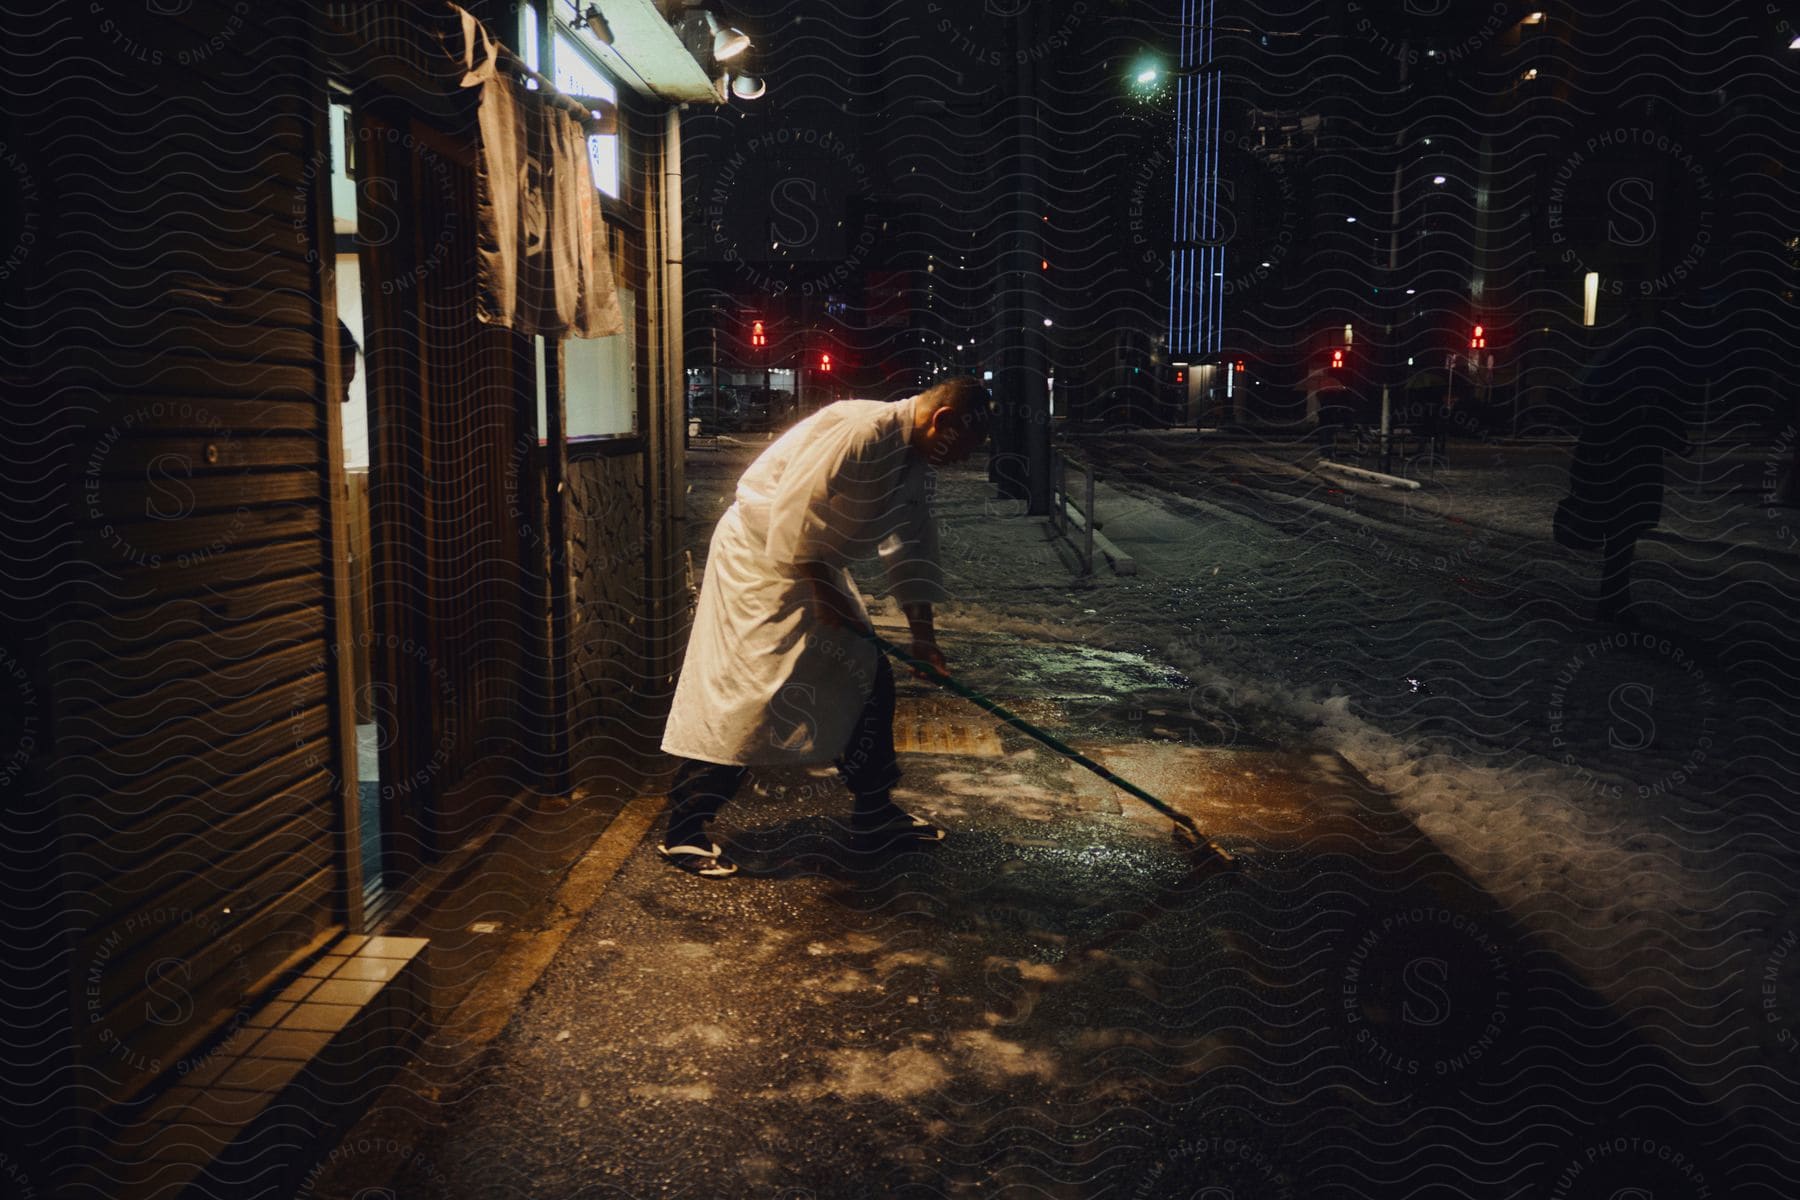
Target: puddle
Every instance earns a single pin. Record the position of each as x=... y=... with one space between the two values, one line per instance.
x=1067 y=671
x=1067 y=689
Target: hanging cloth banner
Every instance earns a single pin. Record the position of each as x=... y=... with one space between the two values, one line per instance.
x=541 y=261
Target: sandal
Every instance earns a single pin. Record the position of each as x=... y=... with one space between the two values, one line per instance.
x=701 y=857
x=892 y=823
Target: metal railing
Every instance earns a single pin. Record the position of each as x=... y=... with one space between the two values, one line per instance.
x=1059 y=507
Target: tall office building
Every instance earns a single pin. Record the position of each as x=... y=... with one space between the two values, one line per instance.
x=1197 y=255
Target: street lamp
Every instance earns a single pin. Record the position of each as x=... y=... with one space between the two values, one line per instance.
x=1149 y=81
x=1150 y=78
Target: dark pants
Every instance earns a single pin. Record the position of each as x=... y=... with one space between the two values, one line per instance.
x=868 y=767
x=1615 y=572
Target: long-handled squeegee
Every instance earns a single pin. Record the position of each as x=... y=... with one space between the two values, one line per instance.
x=1217 y=855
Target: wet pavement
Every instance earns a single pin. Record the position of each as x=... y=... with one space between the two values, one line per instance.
x=1050 y=1004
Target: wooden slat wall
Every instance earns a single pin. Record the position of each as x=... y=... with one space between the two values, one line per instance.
x=188 y=642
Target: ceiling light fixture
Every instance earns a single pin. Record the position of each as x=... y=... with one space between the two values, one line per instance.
x=596 y=24
x=727 y=43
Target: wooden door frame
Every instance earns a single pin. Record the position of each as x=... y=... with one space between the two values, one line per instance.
x=558 y=747
x=339 y=647
x=397 y=461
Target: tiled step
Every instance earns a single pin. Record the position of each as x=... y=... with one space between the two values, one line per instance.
x=249 y=1120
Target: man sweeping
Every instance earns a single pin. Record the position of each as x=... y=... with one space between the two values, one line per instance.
x=779 y=667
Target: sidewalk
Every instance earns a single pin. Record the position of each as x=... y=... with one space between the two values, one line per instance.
x=1349 y=1015
x=938 y=1026
x=1718 y=502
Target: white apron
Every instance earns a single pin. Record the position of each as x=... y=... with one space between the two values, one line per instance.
x=763 y=681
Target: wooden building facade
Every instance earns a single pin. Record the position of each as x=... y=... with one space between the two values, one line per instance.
x=227 y=608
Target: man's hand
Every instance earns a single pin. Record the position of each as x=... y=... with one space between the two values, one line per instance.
x=924 y=640
x=926 y=651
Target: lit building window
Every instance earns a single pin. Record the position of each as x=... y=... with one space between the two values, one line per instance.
x=576 y=75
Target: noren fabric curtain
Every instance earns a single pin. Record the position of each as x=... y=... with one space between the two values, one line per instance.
x=542 y=266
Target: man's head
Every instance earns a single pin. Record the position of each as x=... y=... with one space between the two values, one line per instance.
x=950 y=421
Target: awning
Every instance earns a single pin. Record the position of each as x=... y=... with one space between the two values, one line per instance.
x=648 y=55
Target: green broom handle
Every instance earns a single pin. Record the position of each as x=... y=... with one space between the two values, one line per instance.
x=1049 y=739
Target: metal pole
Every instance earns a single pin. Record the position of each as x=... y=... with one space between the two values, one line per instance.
x=1700 y=448
x=1386 y=355
x=1387 y=444
x=1450 y=396
x=1521 y=377
x=1088 y=512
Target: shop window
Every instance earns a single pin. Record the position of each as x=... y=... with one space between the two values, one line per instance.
x=599 y=381
x=601 y=388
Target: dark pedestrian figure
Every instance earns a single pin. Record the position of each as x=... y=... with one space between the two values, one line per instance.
x=348 y=351
x=1632 y=415
x=1334 y=414
x=1437 y=430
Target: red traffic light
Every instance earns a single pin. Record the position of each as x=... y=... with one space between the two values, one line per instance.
x=1240 y=366
x=757 y=336
x=1478 y=339
x=1337 y=360
x=1181 y=377
x=824 y=362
